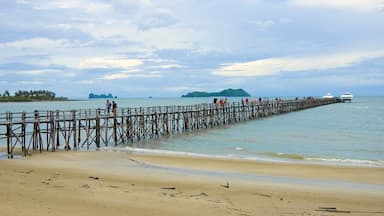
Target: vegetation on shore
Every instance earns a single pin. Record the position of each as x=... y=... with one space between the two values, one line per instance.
x=225 y=93
x=96 y=96
x=29 y=96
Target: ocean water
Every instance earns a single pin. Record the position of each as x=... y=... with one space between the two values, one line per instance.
x=344 y=133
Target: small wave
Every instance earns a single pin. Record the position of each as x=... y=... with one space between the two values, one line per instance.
x=347 y=161
x=269 y=157
x=239 y=148
x=158 y=152
x=187 y=154
x=285 y=155
x=266 y=157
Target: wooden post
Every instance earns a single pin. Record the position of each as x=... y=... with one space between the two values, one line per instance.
x=39 y=139
x=97 y=128
x=66 y=136
x=79 y=133
x=106 y=128
x=53 y=130
x=87 y=128
x=23 y=134
x=57 y=122
x=115 y=129
x=9 y=135
x=122 y=129
x=74 y=127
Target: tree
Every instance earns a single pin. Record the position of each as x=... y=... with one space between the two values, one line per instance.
x=6 y=93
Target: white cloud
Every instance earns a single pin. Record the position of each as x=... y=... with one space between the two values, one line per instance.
x=168 y=66
x=88 y=6
x=181 y=89
x=86 y=82
x=271 y=66
x=110 y=62
x=360 y=5
x=165 y=37
x=36 y=72
x=263 y=24
x=36 y=43
x=29 y=82
x=129 y=74
x=266 y=24
x=370 y=79
x=45 y=72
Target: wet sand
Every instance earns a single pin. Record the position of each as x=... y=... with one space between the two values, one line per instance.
x=118 y=183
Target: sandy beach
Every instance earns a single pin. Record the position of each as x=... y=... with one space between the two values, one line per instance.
x=121 y=183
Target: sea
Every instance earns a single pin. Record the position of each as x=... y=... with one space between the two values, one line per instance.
x=348 y=134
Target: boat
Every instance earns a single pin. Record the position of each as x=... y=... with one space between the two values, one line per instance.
x=328 y=96
x=346 y=97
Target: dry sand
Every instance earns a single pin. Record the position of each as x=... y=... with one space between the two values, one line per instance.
x=116 y=183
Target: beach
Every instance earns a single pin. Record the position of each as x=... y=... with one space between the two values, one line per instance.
x=126 y=183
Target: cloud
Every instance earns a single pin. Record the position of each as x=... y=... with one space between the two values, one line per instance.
x=149 y=45
x=181 y=88
x=129 y=74
x=156 y=21
x=86 y=82
x=29 y=82
x=109 y=63
x=36 y=72
x=37 y=43
x=168 y=66
x=45 y=72
x=88 y=6
x=359 y=5
x=272 y=66
x=262 y=24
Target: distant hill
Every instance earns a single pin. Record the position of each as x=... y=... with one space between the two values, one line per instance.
x=225 y=93
x=96 y=96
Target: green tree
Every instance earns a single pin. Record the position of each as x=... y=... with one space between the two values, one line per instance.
x=6 y=93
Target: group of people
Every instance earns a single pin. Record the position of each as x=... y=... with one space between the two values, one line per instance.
x=112 y=105
x=220 y=102
x=246 y=101
x=255 y=101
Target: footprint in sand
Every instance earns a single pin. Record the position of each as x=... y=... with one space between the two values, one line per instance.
x=86 y=186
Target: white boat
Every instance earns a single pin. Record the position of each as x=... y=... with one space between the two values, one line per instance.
x=328 y=96
x=346 y=97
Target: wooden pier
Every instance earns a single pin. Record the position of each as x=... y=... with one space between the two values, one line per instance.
x=24 y=133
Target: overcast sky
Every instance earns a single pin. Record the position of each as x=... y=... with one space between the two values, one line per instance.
x=161 y=48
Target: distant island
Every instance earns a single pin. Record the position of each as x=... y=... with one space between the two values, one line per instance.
x=99 y=96
x=225 y=93
x=29 y=96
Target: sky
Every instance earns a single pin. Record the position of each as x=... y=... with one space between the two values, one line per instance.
x=165 y=48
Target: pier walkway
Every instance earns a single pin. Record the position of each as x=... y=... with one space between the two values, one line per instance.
x=25 y=133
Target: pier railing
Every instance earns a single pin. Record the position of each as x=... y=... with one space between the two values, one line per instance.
x=24 y=133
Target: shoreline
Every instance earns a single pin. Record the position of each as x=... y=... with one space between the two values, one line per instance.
x=120 y=183
x=267 y=158
x=369 y=175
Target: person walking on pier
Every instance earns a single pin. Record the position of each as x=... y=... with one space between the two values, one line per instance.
x=114 y=108
x=108 y=107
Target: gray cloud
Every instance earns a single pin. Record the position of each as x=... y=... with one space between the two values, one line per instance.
x=180 y=43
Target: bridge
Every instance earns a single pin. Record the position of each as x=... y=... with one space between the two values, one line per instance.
x=24 y=133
